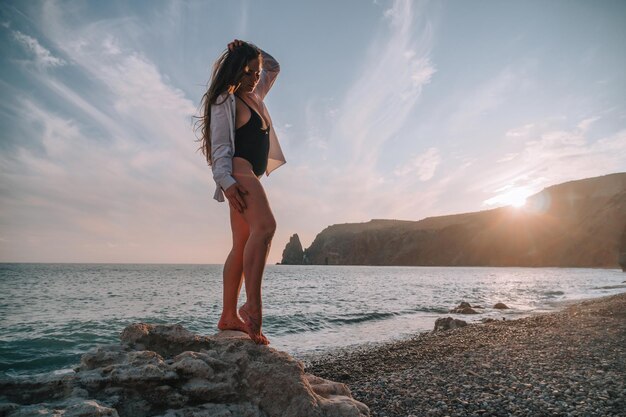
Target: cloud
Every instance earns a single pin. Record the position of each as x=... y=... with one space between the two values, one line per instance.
x=422 y=166
x=379 y=104
x=508 y=157
x=116 y=176
x=586 y=124
x=487 y=98
x=339 y=166
x=519 y=131
x=132 y=90
x=243 y=24
x=82 y=192
x=43 y=57
x=381 y=99
x=550 y=156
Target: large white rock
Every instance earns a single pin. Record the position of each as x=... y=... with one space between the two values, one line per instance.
x=165 y=370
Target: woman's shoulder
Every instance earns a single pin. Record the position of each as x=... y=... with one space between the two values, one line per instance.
x=223 y=99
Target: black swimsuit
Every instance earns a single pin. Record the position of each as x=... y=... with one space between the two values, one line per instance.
x=252 y=143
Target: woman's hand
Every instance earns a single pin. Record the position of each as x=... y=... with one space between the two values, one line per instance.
x=235 y=194
x=234 y=44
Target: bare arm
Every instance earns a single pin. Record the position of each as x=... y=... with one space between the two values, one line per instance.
x=271 y=68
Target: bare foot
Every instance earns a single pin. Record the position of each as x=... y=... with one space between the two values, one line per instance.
x=253 y=327
x=232 y=323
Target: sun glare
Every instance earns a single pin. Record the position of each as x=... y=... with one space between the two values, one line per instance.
x=515 y=197
x=518 y=201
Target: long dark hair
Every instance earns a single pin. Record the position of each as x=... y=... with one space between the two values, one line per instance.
x=228 y=71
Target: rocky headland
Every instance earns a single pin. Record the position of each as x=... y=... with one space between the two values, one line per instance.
x=574 y=224
x=167 y=371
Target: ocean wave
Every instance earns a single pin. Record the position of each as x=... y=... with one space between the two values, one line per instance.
x=22 y=357
x=610 y=287
x=552 y=293
x=435 y=310
x=301 y=323
x=361 y=317
x=294 y=323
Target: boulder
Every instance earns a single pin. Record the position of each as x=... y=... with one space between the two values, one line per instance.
x=464 y=308
x=168 y=371
x=448 y=323
x=501 y=306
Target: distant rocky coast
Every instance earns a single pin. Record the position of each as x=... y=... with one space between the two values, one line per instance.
x=575 y=224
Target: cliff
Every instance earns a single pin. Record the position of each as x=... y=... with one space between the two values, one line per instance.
x=293 y=253
x=167 y=371
x=574 y=224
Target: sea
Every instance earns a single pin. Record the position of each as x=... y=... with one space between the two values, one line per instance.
x=51 y=314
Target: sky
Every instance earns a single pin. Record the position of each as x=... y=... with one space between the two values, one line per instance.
x=384 y=110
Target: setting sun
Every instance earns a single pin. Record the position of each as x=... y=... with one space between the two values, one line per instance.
x=518 y=199
x=515 y=197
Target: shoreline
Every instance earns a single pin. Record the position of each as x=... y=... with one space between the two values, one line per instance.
x=555 y=306
x=308 y=357
x=569 y=361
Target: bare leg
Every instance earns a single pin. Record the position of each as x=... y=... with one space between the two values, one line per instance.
x=233 y=274
x=260 y=220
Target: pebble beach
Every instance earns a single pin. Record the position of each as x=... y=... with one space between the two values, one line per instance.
x=566 y=363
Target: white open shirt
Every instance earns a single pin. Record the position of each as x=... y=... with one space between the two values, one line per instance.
x=223 y=130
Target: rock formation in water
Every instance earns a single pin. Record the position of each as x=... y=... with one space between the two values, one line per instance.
x=165 y=370
x=575 y=224
x=465 y=308
x=293 y=253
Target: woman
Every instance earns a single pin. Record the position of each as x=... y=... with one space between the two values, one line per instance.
x=240 y=144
